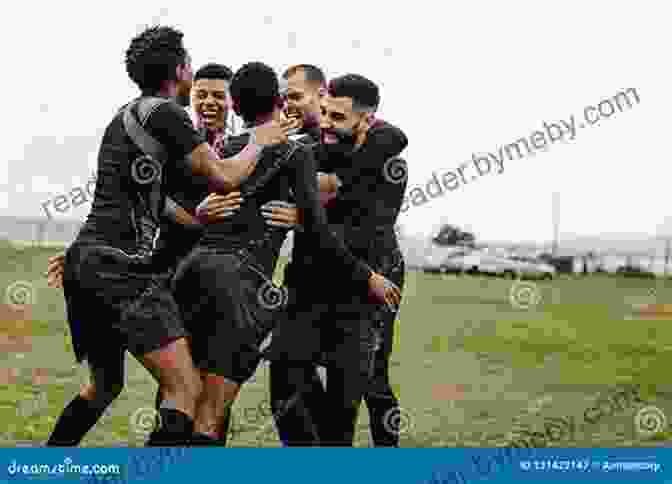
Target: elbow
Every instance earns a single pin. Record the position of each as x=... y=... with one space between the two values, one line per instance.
x=402 y=140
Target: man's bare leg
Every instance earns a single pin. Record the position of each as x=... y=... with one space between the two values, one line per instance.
x=180 y=386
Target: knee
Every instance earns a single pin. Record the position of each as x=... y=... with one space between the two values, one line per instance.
x=193 y=388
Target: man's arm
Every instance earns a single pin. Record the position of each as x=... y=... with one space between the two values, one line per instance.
x=382 y=143
x=172 y=127
x=315 y=222
x=179 y=215
x=55 y=267
x=328 y=183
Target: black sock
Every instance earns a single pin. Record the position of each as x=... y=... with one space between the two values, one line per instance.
x=176 y=429
x=380 y=411
x=76 y=420
x=316 y=400
x=292 y=417
x=202 y=440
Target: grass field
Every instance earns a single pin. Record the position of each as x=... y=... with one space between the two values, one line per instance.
x=473 y=367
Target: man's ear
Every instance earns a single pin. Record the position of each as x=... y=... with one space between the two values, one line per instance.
x=236 y=108
x=181 y=72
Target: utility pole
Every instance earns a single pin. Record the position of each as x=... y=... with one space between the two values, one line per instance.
x=556 y=222
x=665 y=233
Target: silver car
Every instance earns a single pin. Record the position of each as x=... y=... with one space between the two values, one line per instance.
x=524 y=267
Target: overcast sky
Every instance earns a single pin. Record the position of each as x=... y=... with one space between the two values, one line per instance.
x=459 y=78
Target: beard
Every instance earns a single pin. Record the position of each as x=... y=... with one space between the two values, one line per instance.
x=310 y=121
x=346 y=139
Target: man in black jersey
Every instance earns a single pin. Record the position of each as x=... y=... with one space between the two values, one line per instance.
x=116 y=295
x=221 y=286
x=210 y=102
x=356 y=150
x=362 y=152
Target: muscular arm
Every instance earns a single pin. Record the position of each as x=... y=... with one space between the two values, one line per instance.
x=224 y=175
x=328 y=184
x=179 y=215
x=315 y=218
x=382 y=143
x=171 y=126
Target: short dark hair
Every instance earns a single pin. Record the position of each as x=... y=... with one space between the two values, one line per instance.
x=153 y=57
x=255 y=90
x=313 y=73
x=214 y=71
x=364 y=92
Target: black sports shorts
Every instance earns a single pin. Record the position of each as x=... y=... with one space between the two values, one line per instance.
x=229 y=304
x=109 y=298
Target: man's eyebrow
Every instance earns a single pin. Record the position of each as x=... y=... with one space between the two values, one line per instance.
x=213 y=90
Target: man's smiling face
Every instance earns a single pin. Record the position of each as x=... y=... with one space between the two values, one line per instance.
x=210 y=101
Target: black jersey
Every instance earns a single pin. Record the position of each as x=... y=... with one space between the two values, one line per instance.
x=296 y=179
x=121 y=216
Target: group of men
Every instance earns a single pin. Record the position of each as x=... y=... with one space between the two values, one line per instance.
x=176 y=259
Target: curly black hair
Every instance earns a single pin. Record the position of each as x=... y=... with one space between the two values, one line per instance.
x=255 y=90
x=364 y=92
x=214 y=71
x=153 y=57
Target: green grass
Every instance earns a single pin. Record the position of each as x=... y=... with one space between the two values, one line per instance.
x=517 y=367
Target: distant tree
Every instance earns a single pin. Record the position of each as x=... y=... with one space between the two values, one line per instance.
x=450 y=235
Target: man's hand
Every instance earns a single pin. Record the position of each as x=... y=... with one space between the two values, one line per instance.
x=291 y=124
x=55 y=271
x=218 y=207
x=384 y=291
x=361 y=137
x=281 y=214
x=271 y=133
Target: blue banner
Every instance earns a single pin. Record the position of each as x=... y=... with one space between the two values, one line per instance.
x=335 y=465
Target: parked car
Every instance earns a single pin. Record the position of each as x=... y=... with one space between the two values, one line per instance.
x=483 y=262
x=635 y=271
x=457 y=261
x=534 y=268
x=513 y=267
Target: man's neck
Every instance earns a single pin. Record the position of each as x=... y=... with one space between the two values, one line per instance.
x=262 y=119
x=169 y=92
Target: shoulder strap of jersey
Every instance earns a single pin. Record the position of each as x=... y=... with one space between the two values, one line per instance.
x=135 y=127
x=147 y=169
